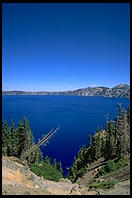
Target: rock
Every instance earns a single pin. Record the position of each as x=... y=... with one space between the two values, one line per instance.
x=26 y=193
x=92 y=193
x=24 y=169
x=75 y=190
x=15 y=182
x=4 y=192
x=65 y=180
x=99 y=180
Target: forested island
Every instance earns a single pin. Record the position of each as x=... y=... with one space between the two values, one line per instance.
x=122 y=90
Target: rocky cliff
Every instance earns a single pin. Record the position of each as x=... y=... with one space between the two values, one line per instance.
x=17 y=179
x=122 y=90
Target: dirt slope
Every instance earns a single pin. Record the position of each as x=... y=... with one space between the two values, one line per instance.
x=19 y=180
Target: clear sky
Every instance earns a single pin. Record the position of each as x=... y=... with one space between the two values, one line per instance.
x=54 y=47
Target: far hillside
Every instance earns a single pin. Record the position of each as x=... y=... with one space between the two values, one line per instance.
x=122 y=90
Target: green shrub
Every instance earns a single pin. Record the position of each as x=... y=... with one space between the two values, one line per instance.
x=105 y=184
x=81 y=172
x=111 y=166
x=121 y=163
x=47 y=170
x=102 y=171
x=111 y=184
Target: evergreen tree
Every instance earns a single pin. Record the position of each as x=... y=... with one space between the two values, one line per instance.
x=89 y=156
x=111 y=140
x=60 y=167
x=21 y=137
x=11 y=140
x=90 y=140
x=97 y=146
x=17 y=141
x=109 y=143
x=38 y=155
x=5 y=138
x=47 y=160
x=28 y=141
x=55 y=163
x=71 y=173
x=103 y=145
x=14 y=140
x=90 y=151
x=81 y=154
x=128 y=115
x=127 y=132
x=122 y=131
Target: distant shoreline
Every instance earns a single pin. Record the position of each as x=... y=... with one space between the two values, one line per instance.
x=122 y=90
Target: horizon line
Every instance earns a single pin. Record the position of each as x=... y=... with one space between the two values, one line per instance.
x=72 y=89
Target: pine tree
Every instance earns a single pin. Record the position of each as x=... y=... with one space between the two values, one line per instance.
x=11 y=140
x=73 y=170
x=90 y=140
x=103 y=145
x=14 y=140
x=71 y=173
x=60 y=167
x=128 y=115
x=121 y=132
x=17 y=141
x=28 y=141
x=127 y=132
x=111 y=140
x=5 y=137
x=38 y=156
x=81 y=154
x=47 y=160
x=90 y=151
x=89 y=157
x=21 y=137
x=97 y=146
x=55 y=163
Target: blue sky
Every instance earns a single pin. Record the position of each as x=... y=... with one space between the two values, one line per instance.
x=55 y=47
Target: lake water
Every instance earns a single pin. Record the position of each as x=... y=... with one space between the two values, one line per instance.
x=77 y=116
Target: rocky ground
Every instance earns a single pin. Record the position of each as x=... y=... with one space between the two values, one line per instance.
x=122 y=188
x=17 y=179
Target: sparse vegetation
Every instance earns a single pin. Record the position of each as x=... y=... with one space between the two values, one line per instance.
x=112 y=166
x=112 y=143
x=47 y=170
x=16 y=141
x=105 y=184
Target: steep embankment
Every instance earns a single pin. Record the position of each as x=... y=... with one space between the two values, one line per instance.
x=19 y=180
x=121 y=178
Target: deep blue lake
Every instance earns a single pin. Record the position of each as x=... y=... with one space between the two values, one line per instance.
x=77 y=115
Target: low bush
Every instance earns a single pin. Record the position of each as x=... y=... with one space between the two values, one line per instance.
x=102 y=171
x=105 y=184
x=47 y=170
x=111 y=166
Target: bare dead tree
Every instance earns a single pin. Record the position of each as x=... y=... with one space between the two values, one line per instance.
x=42 y=141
